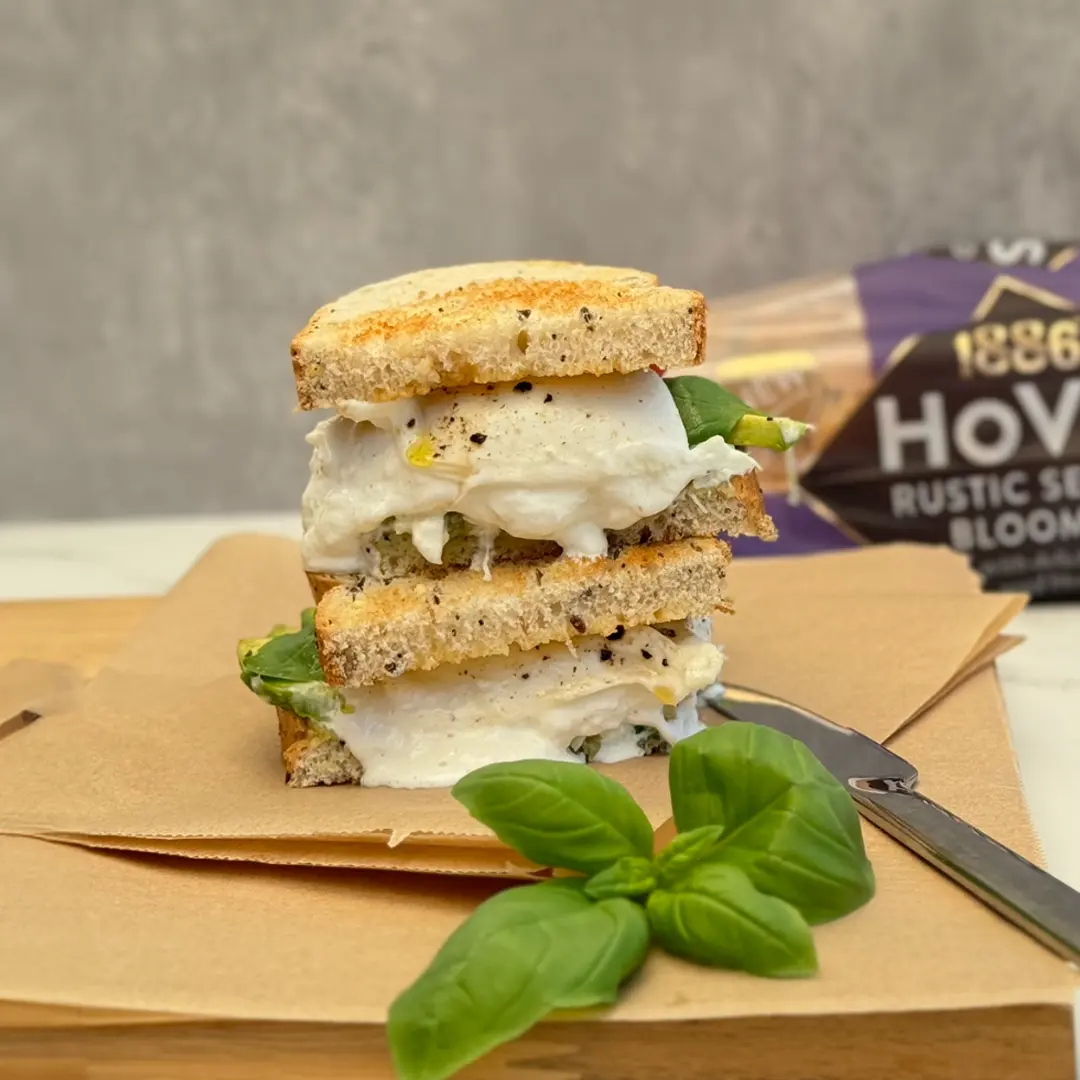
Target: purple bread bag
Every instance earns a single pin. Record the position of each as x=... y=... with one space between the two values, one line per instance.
x=967 y=430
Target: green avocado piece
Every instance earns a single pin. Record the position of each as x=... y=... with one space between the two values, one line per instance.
x=769 y=432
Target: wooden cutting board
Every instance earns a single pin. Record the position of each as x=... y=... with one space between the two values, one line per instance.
x=83 y=633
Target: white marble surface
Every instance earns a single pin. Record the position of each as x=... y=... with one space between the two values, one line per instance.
x=1041 y=678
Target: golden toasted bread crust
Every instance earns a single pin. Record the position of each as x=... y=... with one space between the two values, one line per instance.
x=493 y=322
x=756 y=520
x=313 y=756
x=382 y=630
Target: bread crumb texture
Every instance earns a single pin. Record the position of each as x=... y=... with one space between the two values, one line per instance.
x=493 y=322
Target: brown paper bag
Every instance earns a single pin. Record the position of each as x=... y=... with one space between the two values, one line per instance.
x=167 y=751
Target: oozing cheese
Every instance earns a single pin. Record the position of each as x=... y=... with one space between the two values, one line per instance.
x=554 y=459
x=428 y=729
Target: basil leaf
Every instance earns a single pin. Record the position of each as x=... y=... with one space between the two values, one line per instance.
x=788 y=823
x=685 y=852
x=630 y=876
x=717 y=917
x=312 y=700
x=557 y=813
x=291 y=657
x=706 y=408
x=521 y=954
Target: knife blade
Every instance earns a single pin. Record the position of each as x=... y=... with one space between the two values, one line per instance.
x=884 y=787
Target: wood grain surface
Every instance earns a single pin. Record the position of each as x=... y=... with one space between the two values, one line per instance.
x=79 y=632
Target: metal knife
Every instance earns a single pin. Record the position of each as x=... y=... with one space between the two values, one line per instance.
x=883 y=786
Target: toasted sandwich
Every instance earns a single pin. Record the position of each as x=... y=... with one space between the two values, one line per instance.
x=512 y=525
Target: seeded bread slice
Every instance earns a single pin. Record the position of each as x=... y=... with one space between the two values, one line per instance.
x=735 y=509
x=493 y=322
x=379 y=631
x=314 y=755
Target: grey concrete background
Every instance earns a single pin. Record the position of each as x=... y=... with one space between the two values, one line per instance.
x=183 y=181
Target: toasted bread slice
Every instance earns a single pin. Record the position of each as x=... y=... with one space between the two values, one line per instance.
x=735 y=509
x=382 y=630
x=313 y=755
x=493 y=322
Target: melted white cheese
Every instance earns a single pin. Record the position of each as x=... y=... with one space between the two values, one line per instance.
x=428 y=729
x=552 y=459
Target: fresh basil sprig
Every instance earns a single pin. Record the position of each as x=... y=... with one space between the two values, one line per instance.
x=787 y=823
x=769 y=843
x=684 y=852
x=707 y=409
x=631 y=876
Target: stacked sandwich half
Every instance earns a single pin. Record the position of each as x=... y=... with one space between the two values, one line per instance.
x=511 y=526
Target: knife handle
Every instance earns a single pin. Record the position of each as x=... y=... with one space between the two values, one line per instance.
x=1032 y=899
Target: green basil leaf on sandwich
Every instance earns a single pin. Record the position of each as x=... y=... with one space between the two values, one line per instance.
x=283 y=668
x=292 y=656
x=708 y=410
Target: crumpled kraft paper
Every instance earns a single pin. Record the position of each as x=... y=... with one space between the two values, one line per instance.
x=167 y=751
